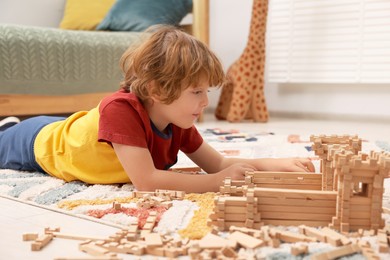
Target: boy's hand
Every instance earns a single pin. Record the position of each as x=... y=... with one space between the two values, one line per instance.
x=289 y=165
x=236 y=171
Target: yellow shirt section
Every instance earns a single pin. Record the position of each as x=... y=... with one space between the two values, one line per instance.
x=70 y=150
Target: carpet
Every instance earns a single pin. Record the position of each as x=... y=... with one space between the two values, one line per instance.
x=186 y=218
x=95 y=202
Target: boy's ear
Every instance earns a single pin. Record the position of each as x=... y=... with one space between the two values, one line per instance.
x=155 y=98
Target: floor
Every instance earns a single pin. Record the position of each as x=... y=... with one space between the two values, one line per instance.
x=17 y=218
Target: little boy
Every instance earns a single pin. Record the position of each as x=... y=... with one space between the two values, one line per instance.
x=135 y=134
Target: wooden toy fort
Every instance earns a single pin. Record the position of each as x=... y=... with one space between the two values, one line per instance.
x=346 y=195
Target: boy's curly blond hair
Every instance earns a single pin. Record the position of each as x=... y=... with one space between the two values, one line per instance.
x=171 y=58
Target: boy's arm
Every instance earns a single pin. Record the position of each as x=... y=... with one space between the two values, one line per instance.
x=212 y=161
x=138 y=164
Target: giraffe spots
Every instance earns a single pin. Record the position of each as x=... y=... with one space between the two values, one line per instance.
x=246 y=85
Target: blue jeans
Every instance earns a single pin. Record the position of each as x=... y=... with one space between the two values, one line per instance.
x=17 y=143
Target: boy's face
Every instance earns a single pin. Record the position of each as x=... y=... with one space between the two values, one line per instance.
x=185 y=110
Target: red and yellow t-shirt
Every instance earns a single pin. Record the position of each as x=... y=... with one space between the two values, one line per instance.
x=79 y=148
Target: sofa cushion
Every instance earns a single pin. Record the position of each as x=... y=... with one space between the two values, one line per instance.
x=138 y=15
x=84 y=14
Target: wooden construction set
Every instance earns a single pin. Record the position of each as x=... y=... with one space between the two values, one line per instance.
x=338 y=206
x=346 y=196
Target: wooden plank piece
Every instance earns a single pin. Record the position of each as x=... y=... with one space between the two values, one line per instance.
x=245 y=240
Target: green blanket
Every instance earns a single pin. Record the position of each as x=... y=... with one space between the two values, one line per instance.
x=38 y=60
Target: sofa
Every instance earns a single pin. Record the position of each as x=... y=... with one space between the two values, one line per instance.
x=46 y=70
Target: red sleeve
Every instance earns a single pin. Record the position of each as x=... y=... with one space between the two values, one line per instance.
x=191 y=140
x=121 y=123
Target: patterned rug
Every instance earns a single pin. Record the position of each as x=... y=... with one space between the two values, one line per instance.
x=186 y=217
x=95 y=202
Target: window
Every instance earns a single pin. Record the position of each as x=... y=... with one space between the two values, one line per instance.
x=360 y=189
x=328 y=41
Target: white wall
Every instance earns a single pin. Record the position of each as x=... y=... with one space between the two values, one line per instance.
x=229 y=29
x=32 y=12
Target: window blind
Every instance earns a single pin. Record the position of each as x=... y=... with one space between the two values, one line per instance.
x=328 y=41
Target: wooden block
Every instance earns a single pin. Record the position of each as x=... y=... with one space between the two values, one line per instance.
x=153 y=239
x=297 y=202
x=249 y=231
x=131 y=236
x=148 y=226
x=135 y=248
x=211 y=241
x=156 y=251
x=343 y=251
x=89 y=258
x=295 y=194
x=49 y=230
x=30 y=236
x=117 y=206
x=117 y=248
x=173 y=252
x=245 y=240
x=296 y=216
x=382 y=242
x=93 y=249
x=166 y=204
x=249 y=223
x=229 y=252
x=299 y=249
x=76 y=237
x=367 y=251
x=291 y=237
x=345 y=227
x=299 y=209
x=180 y=194
x=144 y=232
x=334 y=238
x=41 y=241
x=312 y=232
x=274 y=242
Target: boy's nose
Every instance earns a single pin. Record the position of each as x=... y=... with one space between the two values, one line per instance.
x=205 y=102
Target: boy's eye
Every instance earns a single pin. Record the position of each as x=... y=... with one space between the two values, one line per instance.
x=198 y=92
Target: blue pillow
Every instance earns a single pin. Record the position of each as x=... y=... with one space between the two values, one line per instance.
x=138 y=15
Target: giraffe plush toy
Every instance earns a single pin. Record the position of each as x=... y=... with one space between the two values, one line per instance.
x=242 y=95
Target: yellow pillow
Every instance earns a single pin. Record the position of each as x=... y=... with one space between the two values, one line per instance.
x=84 y=14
